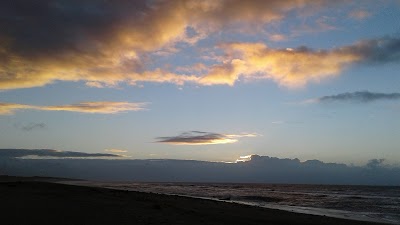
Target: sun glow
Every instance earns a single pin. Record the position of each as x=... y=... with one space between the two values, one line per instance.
x=244 y=158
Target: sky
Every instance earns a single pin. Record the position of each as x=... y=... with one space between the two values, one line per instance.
x=206 y=80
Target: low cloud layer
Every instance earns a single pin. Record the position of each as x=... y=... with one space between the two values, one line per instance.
x=252 y=169
x=83 y=107
x=203 y=138
x=358 y=97
x=17 y=153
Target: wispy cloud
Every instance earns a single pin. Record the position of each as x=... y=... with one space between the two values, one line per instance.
x=16 y=153
x=30 y=126
x=83 y=107
x=10 y=108
x=359 y=14
x=114 y=150
x=203 y=138
x=358 y=97
x=278 y=37
x=278 y=122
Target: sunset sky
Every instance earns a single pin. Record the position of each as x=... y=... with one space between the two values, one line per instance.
x=206 y=80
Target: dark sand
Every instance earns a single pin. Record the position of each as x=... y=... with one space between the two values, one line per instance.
x=41 y=202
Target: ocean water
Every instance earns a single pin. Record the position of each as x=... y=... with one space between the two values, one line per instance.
x=367 y=203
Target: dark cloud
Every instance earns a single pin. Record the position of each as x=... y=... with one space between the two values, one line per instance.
x=56 y=26
x=375 y=163
x=359 y=96
x=382 y=50
x=15 y=153
x=256 y=169
x=202 y=138
x=32 y=126
x=105 y=43
x=193 y=137
x=35 y=28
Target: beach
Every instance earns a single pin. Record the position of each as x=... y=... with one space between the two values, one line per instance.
x=41 y=201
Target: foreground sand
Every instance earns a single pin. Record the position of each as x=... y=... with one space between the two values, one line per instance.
x=38 y=202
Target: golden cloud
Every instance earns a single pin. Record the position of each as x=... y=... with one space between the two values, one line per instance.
x=83 y=107
x=107 y=44
x=288 y=67
x=103 y=45
x=9 y=108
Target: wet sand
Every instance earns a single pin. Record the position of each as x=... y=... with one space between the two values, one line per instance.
x=42 y=202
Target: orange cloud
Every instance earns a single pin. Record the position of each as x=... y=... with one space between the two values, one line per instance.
x=104 y=44
x=83 y=107
x=10 y=108
x=288 y=67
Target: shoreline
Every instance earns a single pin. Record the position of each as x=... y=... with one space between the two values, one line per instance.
x=44 y=202
x=334 y=213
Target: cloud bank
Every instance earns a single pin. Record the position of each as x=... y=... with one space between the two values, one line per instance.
x=359 y=97
x=83 y=107
x=17 y=153
x=202 y=138
x=255 y=169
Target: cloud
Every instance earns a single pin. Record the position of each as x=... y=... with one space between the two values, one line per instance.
x=278 y=37
x=203 y=138
x=9 y=108
x=97 y=107
x=249 y=169
x=296 y=67
x=289 y=67
x=115 y=150
x=359 y=14
x=31 y=126
x=375 y=163
x=378 y=51
x=17 y=153
x=97 y=41
x=83 y=107
x=359 y=97
x=104 y=43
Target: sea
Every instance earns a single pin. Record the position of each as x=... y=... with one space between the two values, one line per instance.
x=365 y=203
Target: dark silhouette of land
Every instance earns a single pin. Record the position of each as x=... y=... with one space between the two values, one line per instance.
x=39 y=201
